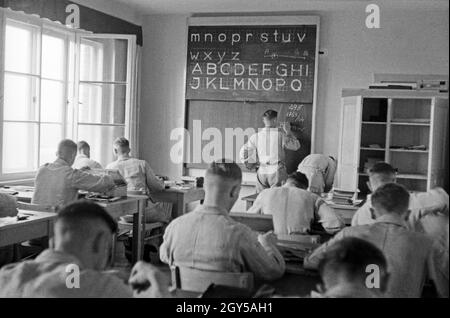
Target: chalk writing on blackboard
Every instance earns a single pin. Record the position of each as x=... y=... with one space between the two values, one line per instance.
x=295 y=115
x=265 y=63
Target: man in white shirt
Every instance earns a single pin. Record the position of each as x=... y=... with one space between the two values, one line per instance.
x=137 y=173
x=83 y=159
x=294 y=209
x=320 y=171
x=57 y=183
x=266 y=151
x=209 y=239
x=428 y=211
x=75 y=267
x=140 y=178
x=380 y=174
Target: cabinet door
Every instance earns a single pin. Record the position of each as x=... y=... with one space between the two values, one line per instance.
x=350 y=138
x=438 y=142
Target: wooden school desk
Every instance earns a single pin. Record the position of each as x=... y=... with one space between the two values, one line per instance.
x=38 y=224
x=179 y=197
x=130 y=205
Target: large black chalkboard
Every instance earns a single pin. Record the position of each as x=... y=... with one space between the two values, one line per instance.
x=208 y=120
x=251 y=63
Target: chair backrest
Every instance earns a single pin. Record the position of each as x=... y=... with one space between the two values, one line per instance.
x=35 y=207
x=198 y=280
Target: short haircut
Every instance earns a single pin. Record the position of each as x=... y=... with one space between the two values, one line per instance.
x=270 y=114
x=351 y=256
x=383 y=169
x=392 y=197
x=67 y=146
x=226 y=169
x=83 y=145
x=299 y=179
x=122 y=143
x=82 y=211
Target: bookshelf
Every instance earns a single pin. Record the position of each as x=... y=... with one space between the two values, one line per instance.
x=408 y=129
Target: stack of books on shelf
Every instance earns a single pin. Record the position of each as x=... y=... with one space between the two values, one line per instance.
x=343 y=197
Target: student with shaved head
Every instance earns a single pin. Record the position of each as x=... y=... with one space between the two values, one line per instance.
x=209 y=239
x=57 y=183
x=345 y=268
x=75 y=267
x=83 y=159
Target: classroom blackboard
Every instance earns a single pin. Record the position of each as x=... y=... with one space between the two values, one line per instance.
x=274 y=63
x=208 y=120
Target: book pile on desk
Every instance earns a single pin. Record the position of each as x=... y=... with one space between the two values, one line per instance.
x=343 y=197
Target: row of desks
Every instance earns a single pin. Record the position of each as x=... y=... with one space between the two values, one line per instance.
x=40 y=224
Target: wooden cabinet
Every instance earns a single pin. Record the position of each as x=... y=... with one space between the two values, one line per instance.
x=408 y=129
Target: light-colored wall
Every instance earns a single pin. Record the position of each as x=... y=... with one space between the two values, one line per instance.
x=411 y=40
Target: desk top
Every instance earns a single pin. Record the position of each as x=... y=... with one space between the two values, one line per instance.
x=33 y=217
x=251 y=197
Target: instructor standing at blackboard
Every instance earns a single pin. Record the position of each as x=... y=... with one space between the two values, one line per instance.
x=265 y=151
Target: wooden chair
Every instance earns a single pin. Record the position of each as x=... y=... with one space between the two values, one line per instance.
x=35 y=207
x=198 y=280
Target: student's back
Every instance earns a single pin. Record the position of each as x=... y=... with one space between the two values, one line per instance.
x=48 y=274
x=209 y=239
x=408 y=255
x=206 y=239
x=57 y=184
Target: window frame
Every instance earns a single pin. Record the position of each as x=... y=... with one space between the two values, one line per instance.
x=69 y=121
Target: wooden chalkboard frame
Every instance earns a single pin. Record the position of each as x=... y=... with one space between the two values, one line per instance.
x=262 y=21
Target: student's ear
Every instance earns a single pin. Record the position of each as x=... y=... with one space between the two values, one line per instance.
x=373 y=215
x=384 y=282
x=369 y=186
x=235 y=191
x=406 y=215
x=99 y=243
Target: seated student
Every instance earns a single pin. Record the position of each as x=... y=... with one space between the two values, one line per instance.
x=83 y=235
x=83 y=159
x=428 y=210
x=411 y=256
x=320 y=171
x=380 y=174
x=294 y=208
x=8 y=208
x=209 y=239
x=137 y=173
x=139 y=176
x=57 y=183
x=345 y=268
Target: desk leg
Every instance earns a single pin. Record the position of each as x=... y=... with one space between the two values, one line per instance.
x=178 y=206
x=138 y=226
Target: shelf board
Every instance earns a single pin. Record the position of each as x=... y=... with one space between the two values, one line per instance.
x=375 y=149
x=408 y=150
x=403 y=176
x=412 y=176
x=374 y=122
x=406 y=123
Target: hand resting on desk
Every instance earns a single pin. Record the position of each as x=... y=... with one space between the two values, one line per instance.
x=148 y=281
